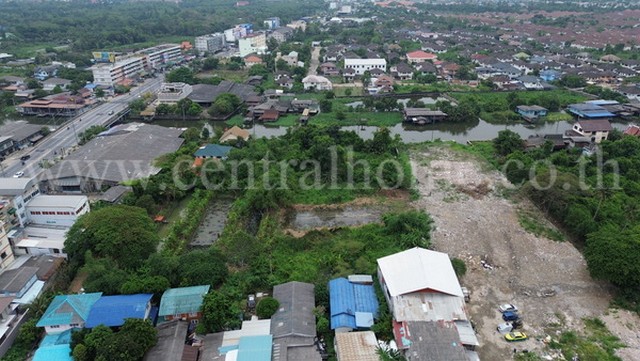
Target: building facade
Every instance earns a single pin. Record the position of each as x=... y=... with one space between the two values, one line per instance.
x=57 y=210
x=6 y=253
x=254 y=43
x=173 y=92
x=210 y=43
x=362 y=65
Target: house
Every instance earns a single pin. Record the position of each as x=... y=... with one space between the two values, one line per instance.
x=426 y=68
x=362 y=65
x=419 y=279
x=251 y=60
x=506 y=69
x=550 y=75
x=171 y=341
x=252 y=43
x=182 y=303
x=329 y=69
x=68 y=311
x=610 y=58
x=293 y=326
x=349 y=74
x=16 y=282
x=353 y=305
x=285 y=82
x=421 y=116
x=171 y=93
x=316 y=82
x=234 y=133
x=57 y=210
x=440 y=340
x=420 y=56
x=112 y=311
x=530 y=82
x=589 y=111
x=632 y=130
x=595 y=129
x=43 y=72
x=531 y=111
x=402 y=71
x=631 y=92
x=51 y=83
x=269 y=115
x=282 y=34
x=356 y=346
x=213 y=151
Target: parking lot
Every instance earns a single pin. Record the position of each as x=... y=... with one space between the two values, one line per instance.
x=547 y=280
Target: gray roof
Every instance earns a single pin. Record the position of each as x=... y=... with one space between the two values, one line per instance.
x=171 y=338
x=206 y=93
x=295 y=315
x=14 y=280
x=113 y=194
x=123 y=153
x=435 y=341
x=15 y=186
x=20 y=130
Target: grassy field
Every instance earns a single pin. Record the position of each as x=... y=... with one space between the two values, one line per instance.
x=238 y=76
x=564 y=97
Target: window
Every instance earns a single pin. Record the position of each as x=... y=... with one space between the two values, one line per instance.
x=54 y=326
x=3 y=255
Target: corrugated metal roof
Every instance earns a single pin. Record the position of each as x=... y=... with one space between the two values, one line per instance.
x=255 y=348
x=419 y=269
x=176 y=301
x=466 y=333
x=68 y=309
x=213 y=150
x=113 y=310
x=428 y=306
x=346 y=298
x=434 y=341
x=356 y=346
x=295 y=315
x=53 y=353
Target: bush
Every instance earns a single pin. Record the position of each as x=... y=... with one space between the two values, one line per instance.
x=459 y=267
x=267 y=307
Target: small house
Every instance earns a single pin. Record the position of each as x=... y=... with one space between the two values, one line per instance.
x=68 y=311
x=112 y=311
x=420 y=56
x=234 y=133
x=531 y=112
x=251 y=60
x=421 y=116
x=353 y=305
x=213 y=151
x=329 y=69
x=595 y=129
x=269 y=115
x=316 y=82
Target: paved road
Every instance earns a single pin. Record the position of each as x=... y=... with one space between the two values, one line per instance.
x=65 y=137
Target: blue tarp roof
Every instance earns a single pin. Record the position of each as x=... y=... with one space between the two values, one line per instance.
x=255 y=348
x=113 y=310
x=68 y=309
x=346 y=298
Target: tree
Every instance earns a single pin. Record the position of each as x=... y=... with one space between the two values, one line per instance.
x=329 y=94
x=573 y=81
x=205 y=133
x=122 y=233
x=508 y=142
x=163 y=109
x=459 y=267
x=224 y=104
x=210 y=63
x=181 y=75
x=145 y=284
x=266 y=307
x=258 y=69
x=33 y=84
x=612 y=254
x=412 y=227
x=206 y=267
x=218 y=312
x=57 y=90
x=340 y=115
x=99 y=93
x=326 y=106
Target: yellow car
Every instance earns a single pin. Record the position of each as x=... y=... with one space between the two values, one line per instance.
x=516 y=336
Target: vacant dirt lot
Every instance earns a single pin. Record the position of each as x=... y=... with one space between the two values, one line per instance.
x=547 y=280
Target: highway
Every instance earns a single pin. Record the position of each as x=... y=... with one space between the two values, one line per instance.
x=66 y=135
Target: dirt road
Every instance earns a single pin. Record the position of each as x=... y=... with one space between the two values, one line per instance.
x=547 y=280
x=315 y=61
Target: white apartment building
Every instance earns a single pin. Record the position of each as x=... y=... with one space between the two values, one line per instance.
x=210 y=43
x=15 y=193
x=173 y=92
x=113 y=73
x=6 y=253
x=159 y=55
x=57 y=210
x=362 y=65
x=253 y=43
x=234 y=34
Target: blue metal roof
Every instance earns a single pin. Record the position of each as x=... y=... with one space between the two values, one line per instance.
x=68 y=309
x=255 y=348
x=113 y=310
x=213 y=150
x=61 y=338
x=346 y=298
x=585 y=110
x=53 y=353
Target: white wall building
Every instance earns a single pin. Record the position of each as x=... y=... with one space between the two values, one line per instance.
x=34 y=241
x=234 y=34
x=210 y=43
x=6 y=253
x=160 y=55
x=254 y=43
x=173 y=92
x=316 y=82
x=362 y=65
x=57 y=210
x=15 y=193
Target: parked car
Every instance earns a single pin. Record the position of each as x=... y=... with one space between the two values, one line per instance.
x=516 y=336
x=110 y=112
x=25 y=157
x=510 y=316
x=507 y=307
x=18 y=175
x=251 y=301
x=505 y=327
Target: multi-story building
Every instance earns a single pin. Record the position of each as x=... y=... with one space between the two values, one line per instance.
x=210 y=43
x=15 y=193
x=234 y=34
x=362 y=65
x=173 y=92
x=6 y=253
x=254 y=43
x=57 y=210
x=133 y=65
x=114 y=73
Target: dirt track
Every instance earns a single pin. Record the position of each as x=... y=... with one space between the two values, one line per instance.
x=547 y=280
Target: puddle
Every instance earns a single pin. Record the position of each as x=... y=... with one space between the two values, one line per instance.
x=213 y=223
x=330 y=218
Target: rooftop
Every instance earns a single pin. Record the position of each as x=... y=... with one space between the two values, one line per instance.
x=171 y=340
x=347 y=299
x=434 y=341
x=595 y=125
x=14 y=280
x=114 y=310
x=123 y=153
x=356 y=346
x=15 y=186
x=68 y=309
x=213 y=150
x=418 y=269
x=20 y=130
x=182 y=300
x=57 y=201
x=295 y=315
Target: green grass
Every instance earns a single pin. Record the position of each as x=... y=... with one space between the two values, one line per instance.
x=534 y=226
x=564 y=97
x=238 y=76
x=327 y=196
x=342 y=91
x=501 y=117
x=596 y=343
x=557 y=117
x=235 y=120
x=382 y=119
